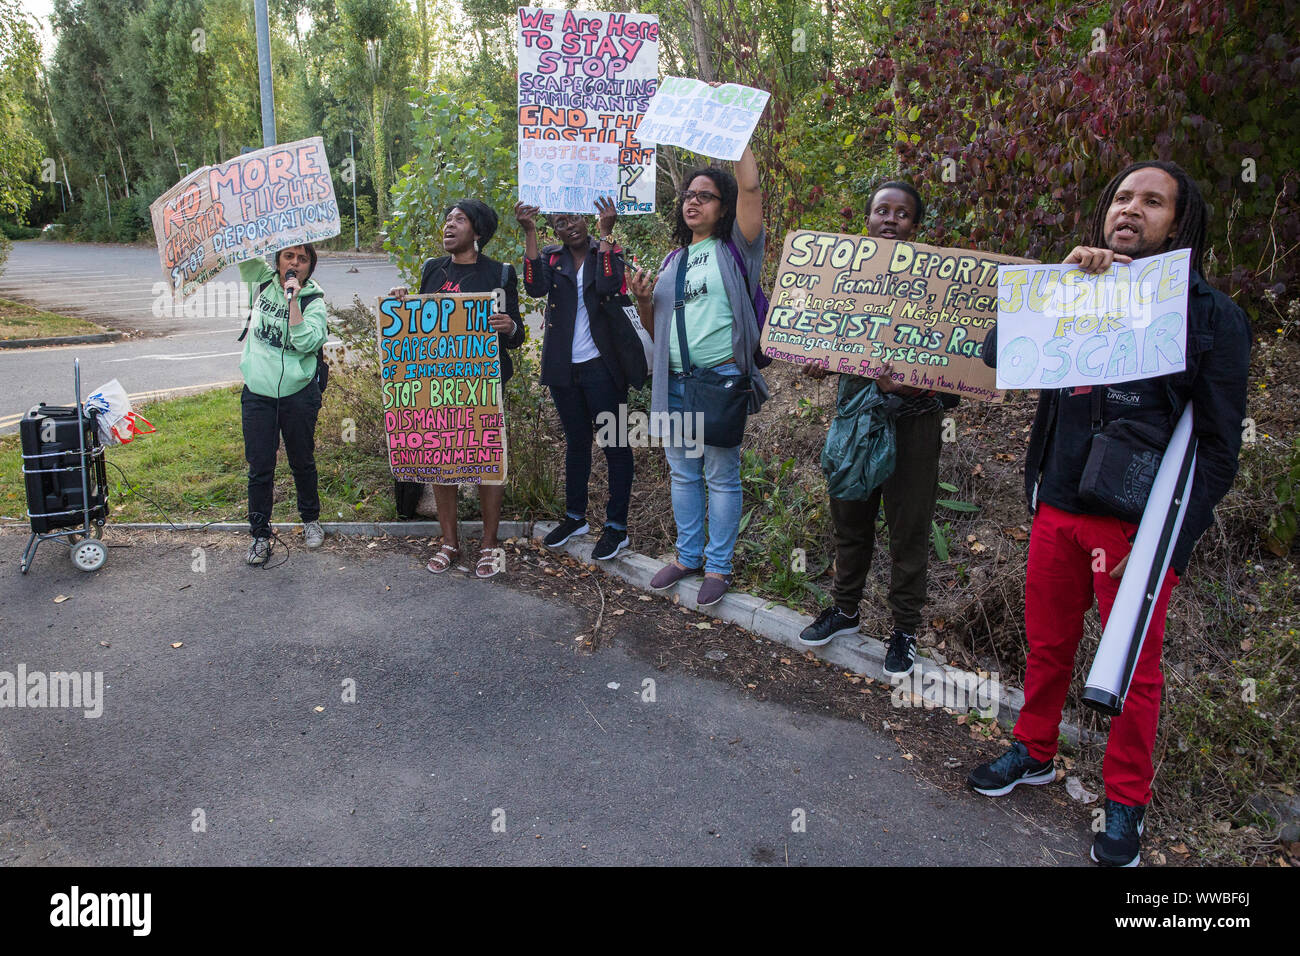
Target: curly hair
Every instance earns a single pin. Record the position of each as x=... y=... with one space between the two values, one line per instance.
x=727 y=189
x=1190 y=211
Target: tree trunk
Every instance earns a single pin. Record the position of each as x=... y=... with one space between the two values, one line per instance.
x=379 y=172
x=703 y=57
x=421 y=6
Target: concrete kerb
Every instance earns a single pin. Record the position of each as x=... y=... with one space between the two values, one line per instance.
x=937 y=684
x=92 y=338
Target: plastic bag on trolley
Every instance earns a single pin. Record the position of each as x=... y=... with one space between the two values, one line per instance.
x=117 y=422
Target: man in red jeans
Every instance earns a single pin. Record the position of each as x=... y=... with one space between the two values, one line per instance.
x=1077 y=550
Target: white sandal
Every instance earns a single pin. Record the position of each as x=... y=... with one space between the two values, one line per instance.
x=444 y=559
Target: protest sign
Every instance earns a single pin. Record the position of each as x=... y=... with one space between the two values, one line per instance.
x=585 y=79
x=851 y=303
x=1059 y=327
x=713 y=121
x=255 y=204
x=441 y=384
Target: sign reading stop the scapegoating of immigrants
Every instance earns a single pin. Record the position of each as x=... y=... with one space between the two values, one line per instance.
x=1059 y=327
x=441 y=383
x=851 y=303
x=585 y=79
x=253 y=205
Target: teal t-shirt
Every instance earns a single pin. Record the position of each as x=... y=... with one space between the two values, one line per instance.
x=708 y=310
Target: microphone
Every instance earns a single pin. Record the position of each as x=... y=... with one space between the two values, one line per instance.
x=291 y=274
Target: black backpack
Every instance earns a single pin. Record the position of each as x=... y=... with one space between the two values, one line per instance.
x=322 y=377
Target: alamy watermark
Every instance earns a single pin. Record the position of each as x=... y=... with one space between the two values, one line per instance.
x=73 y=690
x=959 y=691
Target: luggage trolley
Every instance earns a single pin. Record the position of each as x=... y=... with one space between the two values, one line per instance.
x=67 y=488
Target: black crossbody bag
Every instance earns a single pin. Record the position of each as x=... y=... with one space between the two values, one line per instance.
x=722 y=399
x=1122 y=463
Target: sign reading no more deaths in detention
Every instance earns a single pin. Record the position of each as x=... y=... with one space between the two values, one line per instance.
x=852 y=303
x=441 y=383
x=1059 y=327
x=715 y=121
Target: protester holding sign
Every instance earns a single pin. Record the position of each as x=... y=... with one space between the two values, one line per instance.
x=909 y=491
x=701 y=313
x=580 y=360
x=1089 y=435
x=281 y=388
x=467 y=227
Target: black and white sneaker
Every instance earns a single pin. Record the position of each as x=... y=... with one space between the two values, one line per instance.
x=830 y=624
x=901 y=654
x=612 y=541
x=1014 y=767
x=259 y=552
x=566 y=529
x=1121 y=843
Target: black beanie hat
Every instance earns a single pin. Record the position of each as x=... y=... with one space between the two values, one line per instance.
x=480 y=216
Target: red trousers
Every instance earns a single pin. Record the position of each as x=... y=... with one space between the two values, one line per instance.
x=1070 y=557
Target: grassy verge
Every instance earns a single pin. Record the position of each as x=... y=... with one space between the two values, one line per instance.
x=18 y=321
x=193 y=468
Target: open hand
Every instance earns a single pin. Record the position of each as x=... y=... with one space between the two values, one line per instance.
x=641 y=285
x=527 y=215
x=607 y=210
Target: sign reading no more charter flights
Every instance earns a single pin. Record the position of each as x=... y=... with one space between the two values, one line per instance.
x=441 y=384
x=852 y=303
x=252 y=205
x=585 y=79
x=1059 y=327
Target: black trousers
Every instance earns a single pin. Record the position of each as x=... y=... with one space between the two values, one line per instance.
x=296 y=421
x=592 y=392
x=910 y=494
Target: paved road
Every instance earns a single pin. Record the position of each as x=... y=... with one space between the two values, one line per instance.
x=470 y=701
x=122 y=287
x=115 y=287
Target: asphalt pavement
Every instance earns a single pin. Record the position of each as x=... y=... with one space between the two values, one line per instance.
x=478 y=732
x=121 y=287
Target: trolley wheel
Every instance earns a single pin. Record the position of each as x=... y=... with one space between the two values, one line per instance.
x=89 y=555
x=97 y=530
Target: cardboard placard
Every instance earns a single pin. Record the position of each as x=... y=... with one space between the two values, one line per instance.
x=441 y=369
x=252 y=205
x=1059 y=327
x=585 y=79
x=852 y=303
x=714 y=121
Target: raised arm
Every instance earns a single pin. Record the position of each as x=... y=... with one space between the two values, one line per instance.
x=749 y=202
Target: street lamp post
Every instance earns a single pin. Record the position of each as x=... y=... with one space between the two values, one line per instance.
x=356 y=228
x=108 y=201
x=186 y=167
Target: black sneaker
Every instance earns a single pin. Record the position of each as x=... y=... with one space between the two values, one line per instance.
x=565 y=530
x=1121 y=843
x=612 y=541
x=901 y=654
x=830 y=623
x=1014 y=767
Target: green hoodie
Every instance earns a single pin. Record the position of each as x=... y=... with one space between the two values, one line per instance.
x=265 y=364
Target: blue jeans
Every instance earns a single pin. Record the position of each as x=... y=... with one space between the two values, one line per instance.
x=719 y=469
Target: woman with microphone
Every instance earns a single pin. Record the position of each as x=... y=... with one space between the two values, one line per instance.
x=281 y=394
